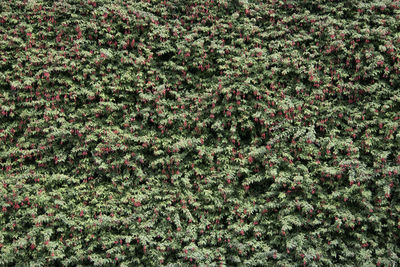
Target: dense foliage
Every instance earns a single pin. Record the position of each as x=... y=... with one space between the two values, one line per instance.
x=218 y=132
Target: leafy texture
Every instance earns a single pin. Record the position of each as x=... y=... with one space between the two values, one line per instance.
x=219 y=133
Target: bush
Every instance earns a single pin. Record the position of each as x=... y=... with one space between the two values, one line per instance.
x=216 y=133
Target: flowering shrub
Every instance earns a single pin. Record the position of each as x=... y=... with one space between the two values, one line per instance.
x=218 y=133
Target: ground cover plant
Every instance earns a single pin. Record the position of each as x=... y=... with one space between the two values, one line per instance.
x=199 y=133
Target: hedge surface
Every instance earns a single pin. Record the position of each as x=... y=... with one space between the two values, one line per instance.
x=218 y=133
